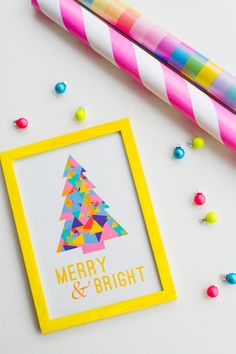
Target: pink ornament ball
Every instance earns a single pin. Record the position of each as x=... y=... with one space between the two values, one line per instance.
x=199 y=199
x=213 y=291
x=21 y=123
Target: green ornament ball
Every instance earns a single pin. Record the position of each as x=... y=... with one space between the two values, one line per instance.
x=80 y=114
x=211 y=217
x=198 y=142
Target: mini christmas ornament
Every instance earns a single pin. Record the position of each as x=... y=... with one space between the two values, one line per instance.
x=198 y=142
x=213 y=291
x=199 y=198
x=210 y=217
x=80 y=114
x=178 y=152
x=21 y=123
x=230 y=278
x=60 y=88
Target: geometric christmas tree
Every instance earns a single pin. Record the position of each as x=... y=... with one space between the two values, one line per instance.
x=87 y=223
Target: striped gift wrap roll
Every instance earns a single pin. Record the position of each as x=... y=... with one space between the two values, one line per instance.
x=143 y=67
x=186 y=60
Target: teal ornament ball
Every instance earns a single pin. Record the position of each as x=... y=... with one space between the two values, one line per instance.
x=178 y=153
x=231 y=278
x=60 y=88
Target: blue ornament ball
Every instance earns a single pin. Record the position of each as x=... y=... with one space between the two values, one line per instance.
x=178 y=153
x=60 y=87
x=231 y=278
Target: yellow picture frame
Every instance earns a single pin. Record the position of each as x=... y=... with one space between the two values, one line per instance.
x=168 y=291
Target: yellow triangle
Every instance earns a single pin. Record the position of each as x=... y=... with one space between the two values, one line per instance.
x=82 y=187
x=79 y=240
x=96 y=228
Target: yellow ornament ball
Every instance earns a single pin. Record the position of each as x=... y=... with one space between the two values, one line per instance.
x=198 y=142
x=211 y=217
x=80 y=114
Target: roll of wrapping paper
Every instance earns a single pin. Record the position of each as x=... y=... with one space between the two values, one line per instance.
x=143 y=67
x=199 y=69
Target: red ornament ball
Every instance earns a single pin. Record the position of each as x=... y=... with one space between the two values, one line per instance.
x=21 y=123
x=199 y=199
x=213 y=291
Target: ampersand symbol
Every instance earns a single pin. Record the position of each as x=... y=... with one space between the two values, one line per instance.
x=79 y=291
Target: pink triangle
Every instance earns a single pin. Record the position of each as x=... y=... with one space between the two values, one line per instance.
x=67 y=216
x=108 y=232
x=68 y=188
x=89 y=184
x=73 y=163
x=95 y=198
x=83 y=219
x=84 y=209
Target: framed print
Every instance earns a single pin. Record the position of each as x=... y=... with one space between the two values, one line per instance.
x=86 y=226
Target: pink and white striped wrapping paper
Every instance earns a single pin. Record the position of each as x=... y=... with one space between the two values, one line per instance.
x=144 y=68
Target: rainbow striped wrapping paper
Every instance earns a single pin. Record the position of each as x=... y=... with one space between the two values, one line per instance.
x=189 y=62
x=143 y=67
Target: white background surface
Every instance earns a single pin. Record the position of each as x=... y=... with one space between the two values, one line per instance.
x=34 y=55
